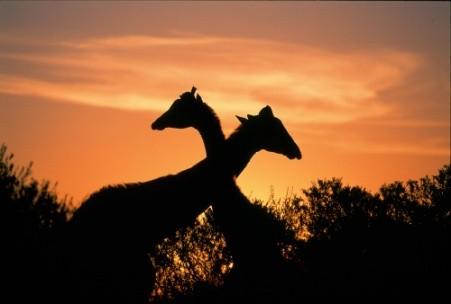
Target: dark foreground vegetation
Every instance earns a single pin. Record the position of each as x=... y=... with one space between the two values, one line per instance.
x=337 y=240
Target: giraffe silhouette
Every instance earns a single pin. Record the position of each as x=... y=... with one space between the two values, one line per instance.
x=252 y=235
x=116 y=227
x=266 y=131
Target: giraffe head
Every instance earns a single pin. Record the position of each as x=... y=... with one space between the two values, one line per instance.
x=268 y=133
x=183 y=113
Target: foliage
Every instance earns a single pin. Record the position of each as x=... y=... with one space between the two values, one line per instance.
x=194 y=255
x=29 y=204
x=347 y=238
x=30 y=213
x=349 y=241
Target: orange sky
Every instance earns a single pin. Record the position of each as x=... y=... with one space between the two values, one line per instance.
x=364 y=88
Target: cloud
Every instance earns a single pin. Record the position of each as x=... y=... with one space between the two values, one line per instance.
x=235 y=75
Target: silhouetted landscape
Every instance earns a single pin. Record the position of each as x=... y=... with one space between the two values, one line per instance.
x=194 y=237
x=333 y=240
x=316 y=164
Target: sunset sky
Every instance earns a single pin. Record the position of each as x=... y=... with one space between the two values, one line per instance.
x=364 y=88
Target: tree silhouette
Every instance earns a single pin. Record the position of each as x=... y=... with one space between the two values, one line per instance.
x=351 y=242
x=30 y=216
x=396 y=241
x=354 y=243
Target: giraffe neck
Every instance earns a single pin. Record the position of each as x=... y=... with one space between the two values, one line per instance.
x=235 y=152
x=210 y=130
x=239 y=148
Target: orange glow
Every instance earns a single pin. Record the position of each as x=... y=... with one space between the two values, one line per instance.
x=145 y=73
x=80 y=105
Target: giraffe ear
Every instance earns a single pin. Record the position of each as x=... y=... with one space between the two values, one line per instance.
x=266 y=112
x=241 y=119
x=250 y=117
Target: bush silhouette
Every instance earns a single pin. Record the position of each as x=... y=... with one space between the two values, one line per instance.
x=350 y=242
x=30 y=216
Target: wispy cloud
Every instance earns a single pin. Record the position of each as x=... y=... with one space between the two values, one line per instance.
x=236 y=75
